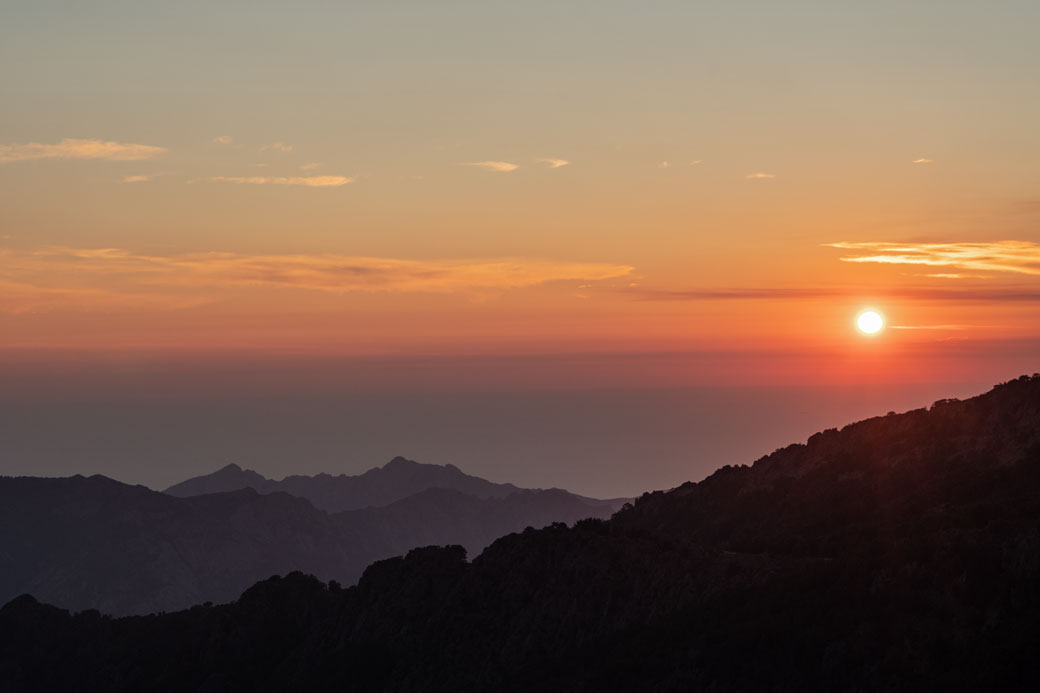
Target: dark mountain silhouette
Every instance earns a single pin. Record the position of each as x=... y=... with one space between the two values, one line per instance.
x=397 y=479
x=96 y=543
x=900 y=553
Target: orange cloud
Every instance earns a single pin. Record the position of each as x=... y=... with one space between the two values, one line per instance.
x=308 y=181
x=1021 y=257
x=497 y=166
x=78 y=272
x=24 y=299
x=79 y=149
x=554 y=163
x=760 y=176
x=143 y=178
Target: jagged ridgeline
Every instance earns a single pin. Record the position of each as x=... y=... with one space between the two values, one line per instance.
x=899 y=553
x=96 y=543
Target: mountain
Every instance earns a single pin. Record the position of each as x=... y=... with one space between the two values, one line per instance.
x=899 y=553
x=397 y=479
x=97 y=543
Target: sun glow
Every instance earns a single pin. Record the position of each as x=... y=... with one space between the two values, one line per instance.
x=870 y=322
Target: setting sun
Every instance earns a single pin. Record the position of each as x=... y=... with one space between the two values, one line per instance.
x=870 y=322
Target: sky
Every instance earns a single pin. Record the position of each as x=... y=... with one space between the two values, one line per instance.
x=261 y=202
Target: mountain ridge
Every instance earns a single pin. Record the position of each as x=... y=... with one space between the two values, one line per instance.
x=94 y=542
x=899 y=553
x=397 y=479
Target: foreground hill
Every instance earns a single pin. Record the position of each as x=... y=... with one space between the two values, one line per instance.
x=900 y=553
x=97 y=543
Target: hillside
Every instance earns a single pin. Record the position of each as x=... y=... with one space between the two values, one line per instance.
x=96 y=543
x=899 y=553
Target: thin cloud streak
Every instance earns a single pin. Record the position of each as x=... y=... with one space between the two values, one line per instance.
x=496 y=166
x=997 y=294
x=554 y=163
x=308 y=181
x=760 y=176
x=277 y=146
x=85 y=271
x=924 y=161
x=143 y=177
x=80 y=149
x=954 y=275
x=19 y=298
x=223 y=139
x=1019 y=257
x=937 y=327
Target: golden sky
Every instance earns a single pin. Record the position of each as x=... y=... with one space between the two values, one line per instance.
x=530 y=179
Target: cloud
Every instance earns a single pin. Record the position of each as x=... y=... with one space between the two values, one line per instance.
x=498 y=166
x=309 y=181
x=79 y=149
x=696 y=162
x=277 y=146
x=311 y=166
x=1019 y=257
x=954 y=275
x=87 y=272
x=553 y=163
x=143 y=177
x=19 y=298
x=760 y=176
x=223 y=139
x=912 y=293
x=663 y=164
x=924 y=161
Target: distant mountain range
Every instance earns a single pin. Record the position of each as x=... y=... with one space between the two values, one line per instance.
x=97 y=543
x=899 y=553
x=394 y=481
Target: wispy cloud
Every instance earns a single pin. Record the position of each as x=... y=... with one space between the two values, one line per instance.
x=696 y=162
x=954 y=275
x=497 y=166
x=913 y=293
x=277 y=147
x=663 y=164
x=85 y=272
x=1020 y=257
x=79 y=149
x=308 y=181
x=311 y=166
x=554 y=163
x=223 y=139
x=143 y=177
x=924 y=161
x=19 y=298
x=760 y=176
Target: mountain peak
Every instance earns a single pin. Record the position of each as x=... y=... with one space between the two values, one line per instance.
x=379 y=486
x=400 y=462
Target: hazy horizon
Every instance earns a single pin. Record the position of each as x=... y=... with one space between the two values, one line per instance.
x=157 y=424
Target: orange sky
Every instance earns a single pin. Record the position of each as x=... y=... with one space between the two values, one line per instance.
x=499 y=181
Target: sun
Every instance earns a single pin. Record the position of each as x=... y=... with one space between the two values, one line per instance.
x=870 y=322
